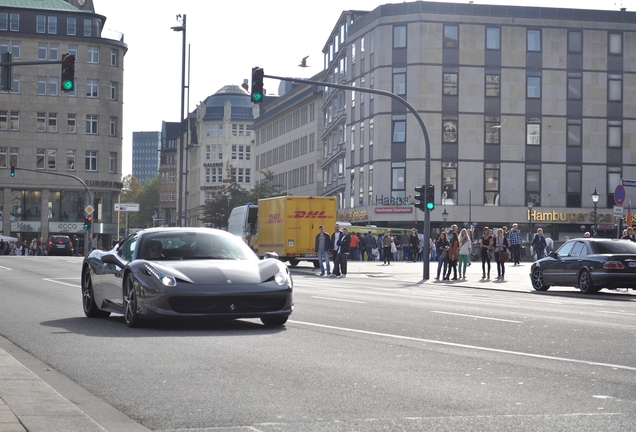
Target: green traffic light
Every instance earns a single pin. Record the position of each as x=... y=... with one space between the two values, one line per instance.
x=67 y=85
x=430 y=206
x=257 y=97
x=12 y=171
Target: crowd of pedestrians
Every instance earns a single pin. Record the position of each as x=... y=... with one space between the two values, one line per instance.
x=17 y=248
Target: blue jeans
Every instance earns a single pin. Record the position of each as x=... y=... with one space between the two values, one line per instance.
x=323 y=256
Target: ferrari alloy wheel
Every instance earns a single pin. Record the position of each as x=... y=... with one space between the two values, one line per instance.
x=130 y=303
x=88 y=299
x=537 y=280
x=585 y=283
x=274 y=321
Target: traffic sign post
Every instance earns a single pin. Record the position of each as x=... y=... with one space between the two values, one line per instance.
x=619 y=195
x=126 y=207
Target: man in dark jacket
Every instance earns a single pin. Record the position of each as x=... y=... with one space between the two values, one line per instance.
x=369 y=244
x=323 y=248
x=340 y=263
x=334 y=249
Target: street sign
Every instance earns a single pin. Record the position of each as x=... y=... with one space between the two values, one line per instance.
x=618 y=211
x=128 y=207
x=89 y=209
x=629 y=183
x=619 y=195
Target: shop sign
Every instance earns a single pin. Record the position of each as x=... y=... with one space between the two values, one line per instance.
x=555 y=216
x=31 y=226
x=66 y=227
x=391 y=201
x=393 y=210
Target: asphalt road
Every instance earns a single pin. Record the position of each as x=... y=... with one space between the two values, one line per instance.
x=379 y=350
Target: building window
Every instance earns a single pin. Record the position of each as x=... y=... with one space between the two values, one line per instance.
x=91 y=124
x=399 y=37
x=14 y=125
x=399 y=81
x=52 y=128
x=112 y=162
x=575 y=42
x=615 y=44
x=533 y=132
x=449 y=183
x=91 y=160
x=399 y=128
x=42 y=51
x=92 y=88
x=492 y=126
x=574 y=133
x=491 y=182
x=451 y=36
x=70 y=160
x=534 y=40
x=71 y=26
x=493 y=38
x=53 y=86
x=614 y=87
x=113 y=126
x=41 y=122
x=13 y=156
x=533 y=183
x=52 y=27
x=92 y=54
x=51 y=159
x=4 y=120
x=72 y=50
x=113 y=90
x=3 y=156
x=113 y=57
x=15 y=49
x=492 y=83
x=573 y=186
x=71 y=126
x=575 y=86
x=449 y=129
x=40 y=24
x=40 y=156
x=614 y=133
x=88 y=28
x=450 y=82
x=398 y=176
x=4 y=26
x=14 y=23
x=533 y=81
x=54 y=50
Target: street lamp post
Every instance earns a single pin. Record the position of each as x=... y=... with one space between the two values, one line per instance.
x=595 y=201
x=181 y=28
x=445 y=216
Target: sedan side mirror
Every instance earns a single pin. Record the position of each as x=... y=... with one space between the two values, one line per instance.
x=272 y=255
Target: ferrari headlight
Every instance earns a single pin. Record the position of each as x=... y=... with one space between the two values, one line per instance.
x=280 y=278
x=167 y=280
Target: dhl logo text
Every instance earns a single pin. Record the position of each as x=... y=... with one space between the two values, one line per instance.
x=301 y=214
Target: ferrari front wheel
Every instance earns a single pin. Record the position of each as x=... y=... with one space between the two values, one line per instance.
x=88 y=297
x=130 y=303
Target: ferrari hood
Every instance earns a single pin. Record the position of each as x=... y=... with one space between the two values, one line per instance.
x=219 y=271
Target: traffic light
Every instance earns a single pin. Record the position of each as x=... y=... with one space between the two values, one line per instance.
x=419 y=199
x=12 y=171
x=68 y=72
x=7 y=75
x=87 y=222
x=257 y=84
x=430 y=197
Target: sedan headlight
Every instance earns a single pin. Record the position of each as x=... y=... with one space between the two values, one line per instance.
x=165 y=279
x=280 y=278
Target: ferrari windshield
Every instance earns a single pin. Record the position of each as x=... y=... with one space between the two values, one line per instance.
x=192 y=244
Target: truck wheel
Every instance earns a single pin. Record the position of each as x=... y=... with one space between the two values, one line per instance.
x=293 y=262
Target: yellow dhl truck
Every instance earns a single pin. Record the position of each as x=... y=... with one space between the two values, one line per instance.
x=287 y=225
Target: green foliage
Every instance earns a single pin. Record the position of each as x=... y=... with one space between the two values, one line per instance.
x=146 y=196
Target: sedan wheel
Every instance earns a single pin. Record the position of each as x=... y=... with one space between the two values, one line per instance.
x=88 y=298
x=537 y=281
x=130 y=303
x=276 y=320
x=585 y=283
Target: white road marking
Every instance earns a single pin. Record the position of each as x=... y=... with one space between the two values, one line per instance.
x=478 y=317
x=473 y=347
x=5 y=268
x=57 y=280
x=341 y=300
x=618 y=313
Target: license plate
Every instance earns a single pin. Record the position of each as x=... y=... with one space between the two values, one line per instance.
x=62 y=247
x=631 y=264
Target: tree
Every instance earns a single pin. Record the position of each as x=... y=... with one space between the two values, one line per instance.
x=146 y=196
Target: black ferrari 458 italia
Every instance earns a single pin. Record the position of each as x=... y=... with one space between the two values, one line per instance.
x=589 y=264
x=193 y=272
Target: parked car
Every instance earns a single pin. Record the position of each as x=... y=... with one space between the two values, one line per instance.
x=59 y=245
x=161 y=272
x=590 y=264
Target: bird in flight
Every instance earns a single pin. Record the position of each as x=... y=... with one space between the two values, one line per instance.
x=499 y=125
x=303 y=62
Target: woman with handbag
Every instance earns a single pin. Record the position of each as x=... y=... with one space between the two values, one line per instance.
x=486 y=252
x=501 y=253
x=453 y=255
x=387 y=247
x=441 y=245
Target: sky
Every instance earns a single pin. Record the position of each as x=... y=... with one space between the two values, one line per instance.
x=226 y=39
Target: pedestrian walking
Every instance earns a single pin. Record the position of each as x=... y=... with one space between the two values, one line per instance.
x=369 y=245
x=538 y=244
x=500 y=243
x=33 y=246
x=344 y=242
x=464 y=252
x=414 y=244
x=515 y=239
x=387 y=244
x=441 y=245
x=453 y=254
x=486 y=253
x=323 y=248
x=405 y=246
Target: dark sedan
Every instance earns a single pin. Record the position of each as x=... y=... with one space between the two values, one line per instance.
x=590 y=264
x=162 y=272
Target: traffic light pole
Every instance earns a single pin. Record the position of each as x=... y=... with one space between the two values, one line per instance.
x=427 y=163
x=90 y=198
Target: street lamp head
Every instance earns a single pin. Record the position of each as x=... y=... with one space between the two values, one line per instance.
x=178 y=28
x=445 y=215
x=530 y=204
x=595 y=196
